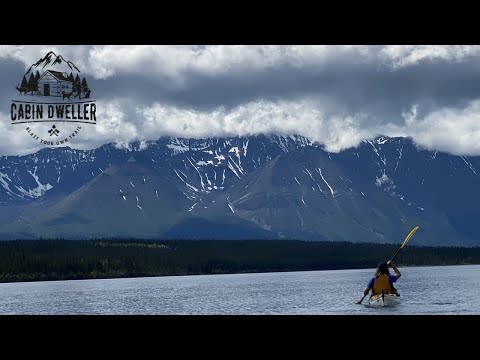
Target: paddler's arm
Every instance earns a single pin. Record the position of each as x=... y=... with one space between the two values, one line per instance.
x=369 y=286
x=392 y=265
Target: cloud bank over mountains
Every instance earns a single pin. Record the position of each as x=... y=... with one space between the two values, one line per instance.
x=337 y=95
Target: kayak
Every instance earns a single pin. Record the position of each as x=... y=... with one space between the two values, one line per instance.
x=382 y=300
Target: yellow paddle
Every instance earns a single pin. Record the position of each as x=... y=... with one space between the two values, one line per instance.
x=410 y=234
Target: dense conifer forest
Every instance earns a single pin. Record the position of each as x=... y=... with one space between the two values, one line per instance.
x=37 y=260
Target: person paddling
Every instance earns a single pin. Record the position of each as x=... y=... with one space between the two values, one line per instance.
x=383 y=281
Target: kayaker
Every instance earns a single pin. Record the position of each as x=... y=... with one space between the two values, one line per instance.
x=383 y=281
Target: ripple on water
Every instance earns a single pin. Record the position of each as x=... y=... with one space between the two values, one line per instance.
x=425 y=290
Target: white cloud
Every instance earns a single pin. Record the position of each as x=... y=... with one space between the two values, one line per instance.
x=14 y=139
x=10 y=51
x=304 y=117
x=452 y=130
x=116 y=122
x=103 y=61
x=321 y=116
x=176 y=62
x=398 y=56
x=30 y=54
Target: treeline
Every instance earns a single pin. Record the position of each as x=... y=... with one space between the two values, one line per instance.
x=36 y=260
x=32 y=84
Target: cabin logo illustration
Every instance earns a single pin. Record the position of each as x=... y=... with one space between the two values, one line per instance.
x=53 y=90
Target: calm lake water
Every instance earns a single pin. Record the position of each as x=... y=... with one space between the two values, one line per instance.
x=426 y=290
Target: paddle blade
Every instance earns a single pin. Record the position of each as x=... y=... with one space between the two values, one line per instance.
x=410 y=234
x=360 y=301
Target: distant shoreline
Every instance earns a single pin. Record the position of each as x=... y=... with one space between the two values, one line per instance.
x=51 y=260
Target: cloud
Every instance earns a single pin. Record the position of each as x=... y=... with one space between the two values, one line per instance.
x=260 y=117
x=14 y=140
x=337 y=95
x=104 y=61
x=452 y=130
x=398 y=56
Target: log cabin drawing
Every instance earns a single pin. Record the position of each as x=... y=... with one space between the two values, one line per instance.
x=54 y=83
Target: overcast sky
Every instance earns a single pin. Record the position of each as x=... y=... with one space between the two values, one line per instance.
x=337 y=95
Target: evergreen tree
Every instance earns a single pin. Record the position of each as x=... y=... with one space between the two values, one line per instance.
x=70 y=77
x=37 y=76
x=24 y=83
x=78 y=87
x=32 y=84
x=84 y=85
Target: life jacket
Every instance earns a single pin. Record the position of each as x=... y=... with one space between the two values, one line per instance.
x=381 y=284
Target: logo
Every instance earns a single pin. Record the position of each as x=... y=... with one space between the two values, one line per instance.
x=53 y=101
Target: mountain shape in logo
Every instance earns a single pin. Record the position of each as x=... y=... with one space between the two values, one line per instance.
x=53 y=62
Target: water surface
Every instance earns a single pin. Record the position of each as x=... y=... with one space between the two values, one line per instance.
x=424 y=290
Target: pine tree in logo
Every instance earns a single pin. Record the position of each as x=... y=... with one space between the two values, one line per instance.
x=32 y=84
x=23 y=87
x=85 y=89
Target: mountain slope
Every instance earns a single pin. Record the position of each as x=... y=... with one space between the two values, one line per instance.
x=131 y=199
x=259 y=186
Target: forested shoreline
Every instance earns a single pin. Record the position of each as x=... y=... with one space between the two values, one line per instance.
x=41 y=260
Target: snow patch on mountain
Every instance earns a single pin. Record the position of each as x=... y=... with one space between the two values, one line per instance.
x=379 y=181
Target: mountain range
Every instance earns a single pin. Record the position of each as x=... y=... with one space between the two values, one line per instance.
x=262 y=187
x=51 y=61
